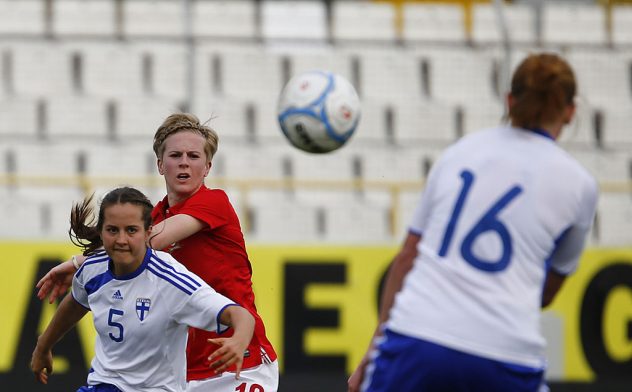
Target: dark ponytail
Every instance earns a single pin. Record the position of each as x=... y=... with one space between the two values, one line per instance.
x=86 y=234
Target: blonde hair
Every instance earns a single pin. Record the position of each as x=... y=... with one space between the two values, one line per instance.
x=542 y=86
x=180 y=122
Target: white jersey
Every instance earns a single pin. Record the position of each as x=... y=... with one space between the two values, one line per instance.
x=142 y=320
x=499 y=208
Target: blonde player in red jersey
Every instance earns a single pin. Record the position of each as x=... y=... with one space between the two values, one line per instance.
x=200 y=228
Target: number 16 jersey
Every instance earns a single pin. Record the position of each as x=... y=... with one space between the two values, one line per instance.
x=500 y=208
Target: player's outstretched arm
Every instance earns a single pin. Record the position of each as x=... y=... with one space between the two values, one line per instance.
x=58 y=280
x=401 y=264
x=232 y=349
x=67 y=315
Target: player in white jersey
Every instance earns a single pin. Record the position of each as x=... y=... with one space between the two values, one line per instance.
x=143 y=302
x=503 y=218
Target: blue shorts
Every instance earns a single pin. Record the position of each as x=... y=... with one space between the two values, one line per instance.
x=406 y=364
x=99 y=388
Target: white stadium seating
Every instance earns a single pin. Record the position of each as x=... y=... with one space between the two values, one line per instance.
x=520 y=21
x=84 y=17
x=573 y=23
x=84 y=84
x=430 y=23
x=363 y=21
x=225 y=19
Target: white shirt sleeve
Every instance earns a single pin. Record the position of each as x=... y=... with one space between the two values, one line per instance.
x=422 y=211
x=79 y=292
x=570 y=245
x=203 y=310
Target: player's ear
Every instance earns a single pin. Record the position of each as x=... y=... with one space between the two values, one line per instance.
x=208 y=168
x=510 y=100
x=569 y=113
x=159 y=165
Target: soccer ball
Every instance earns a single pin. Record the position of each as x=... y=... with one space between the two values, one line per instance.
x=318 y=111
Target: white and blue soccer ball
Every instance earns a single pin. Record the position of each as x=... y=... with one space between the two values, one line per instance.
x=318 y=111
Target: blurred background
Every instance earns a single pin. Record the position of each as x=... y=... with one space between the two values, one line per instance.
x=85 y=83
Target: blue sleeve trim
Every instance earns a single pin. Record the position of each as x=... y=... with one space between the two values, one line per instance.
x=219 y=315
x=75 y=299
x=94 y=259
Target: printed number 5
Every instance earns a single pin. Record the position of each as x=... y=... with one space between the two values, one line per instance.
x=116 y=325
x=489 y=222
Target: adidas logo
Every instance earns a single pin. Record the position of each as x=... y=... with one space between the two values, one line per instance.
x=117 y=295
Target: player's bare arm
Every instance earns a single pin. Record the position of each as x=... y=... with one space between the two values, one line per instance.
x=231 y=351
x=67 y=315
x=57 y=281
x=174 y=229
x=401 y=264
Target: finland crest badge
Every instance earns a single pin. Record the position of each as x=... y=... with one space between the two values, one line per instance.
x=142 y=307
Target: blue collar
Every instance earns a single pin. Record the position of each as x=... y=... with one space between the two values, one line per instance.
x=541 y=132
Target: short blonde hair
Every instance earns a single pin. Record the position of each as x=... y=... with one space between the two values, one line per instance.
x=180 y=122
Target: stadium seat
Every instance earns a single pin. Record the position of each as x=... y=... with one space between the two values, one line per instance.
x=400 y=163
x=307 y=58
x=580 y=133
x=615 y=219
x=428 y=23
x=374 y=125
x=25 y=215
x=601 y=76
x=348 y=217
x=76 y=116
x=390 y=74
x=18 y=117
x=291 y=20
x=622 y=24
x=605 y=165
x=121 y=163
x=424 y=122
x=33 y=64
x=616 y=131
x=138 y=117
x=22 y=17
x=228 y=116
x=84 y=18
x=482 y=115
x=363 y=21
x=239 y=161
x=520 y=21
x=461 y=75
x=147 y=18
x=573 y=24
x=243 y=68
x=42 y=160
x=225 y=19
x=278 y=218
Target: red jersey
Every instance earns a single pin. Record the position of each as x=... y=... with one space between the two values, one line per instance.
x=217 y=254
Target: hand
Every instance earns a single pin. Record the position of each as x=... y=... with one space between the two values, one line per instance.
x=357 y=377
x=42 y=365
x=231 y=352
x=56 y=282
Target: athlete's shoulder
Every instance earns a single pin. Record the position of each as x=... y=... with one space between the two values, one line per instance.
x=172 y=273
x=95 y=264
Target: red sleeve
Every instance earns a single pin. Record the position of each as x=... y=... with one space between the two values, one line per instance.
x=211 y=207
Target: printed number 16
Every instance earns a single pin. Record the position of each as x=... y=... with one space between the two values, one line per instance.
x=489 y=222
